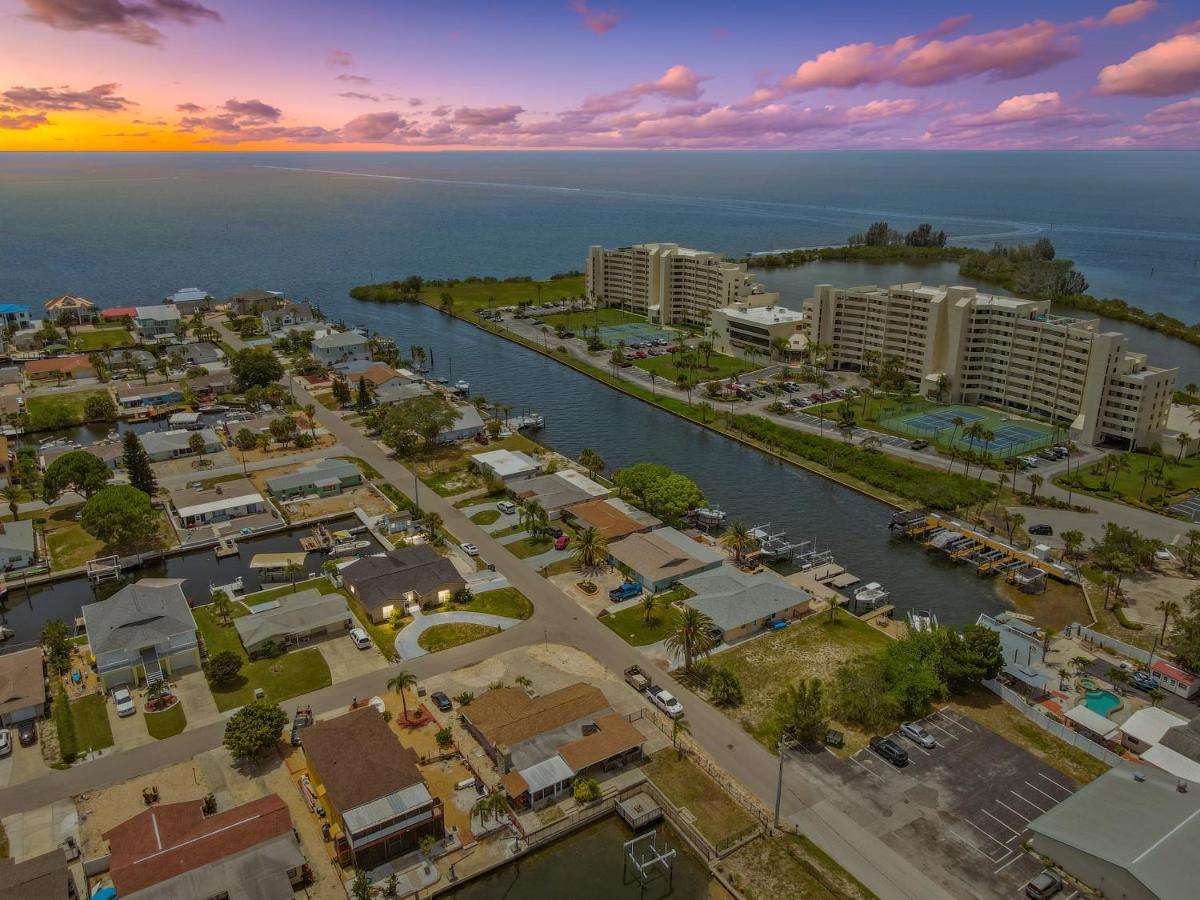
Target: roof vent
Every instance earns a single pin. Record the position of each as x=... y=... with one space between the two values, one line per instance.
x=1181 y=786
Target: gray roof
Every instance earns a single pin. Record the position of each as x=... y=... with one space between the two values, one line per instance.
x=162 y=441
x=303 y=611
x=389 y=577
x=17 y=536
x=1146 y=827
x=42 y=877
x=468 y=417
x=318 y=471
x=551 y=492
x=138 y=615
x=383 y=809
x=339 y=339
x=1184 y=739
x=732 y=598
x=160 y=313
x=398 y=393
x=256 y=873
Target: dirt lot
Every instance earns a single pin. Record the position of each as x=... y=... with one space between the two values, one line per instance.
x=1145 y=590
x=366 y=498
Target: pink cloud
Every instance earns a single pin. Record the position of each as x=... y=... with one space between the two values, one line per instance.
x=23 y=122
x=1020 y=119
x=1184 y=112
x=340 y=58
x=353 y=79
x=189 y=107
x=486 y=115
x=598 y=21
x=678 y=81
x=1126 y=14
x=1168 y=67
x=381 y=127
x=102 y=97
x=356 y=95
x=1174 y=126
x=135 y=22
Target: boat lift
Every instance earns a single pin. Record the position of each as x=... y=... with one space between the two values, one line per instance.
x=775 y=547
x=643 y=854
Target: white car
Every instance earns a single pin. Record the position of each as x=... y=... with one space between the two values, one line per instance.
x=361 y=639
x=666 y=701
x=507 y=507
x=918 y=735
x=470 y=549
x=124 y=702
x=1164 y=554
x=5 y=742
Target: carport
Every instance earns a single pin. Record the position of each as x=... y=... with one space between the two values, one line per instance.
x=1092 y=724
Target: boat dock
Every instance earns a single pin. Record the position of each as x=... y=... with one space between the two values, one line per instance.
x=226 y=546
x=775 y=547
x=319 y=541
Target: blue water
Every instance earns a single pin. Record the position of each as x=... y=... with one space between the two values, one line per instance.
x=1101 y=701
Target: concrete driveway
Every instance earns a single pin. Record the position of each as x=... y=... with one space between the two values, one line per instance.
x=406 y=640
x=347 y=661
x=129 y=731
x=198 y=703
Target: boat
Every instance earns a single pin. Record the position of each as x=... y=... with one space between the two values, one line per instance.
x=348 y=547
x=872 y=594
x=708 y=516
x=441 y=380
x=211 y=408
x=6 y=632
x=463 y=386
x=922 y=620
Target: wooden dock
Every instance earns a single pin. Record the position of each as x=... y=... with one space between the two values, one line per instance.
x=319 y=541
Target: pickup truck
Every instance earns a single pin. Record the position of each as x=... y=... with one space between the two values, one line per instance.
x=637 y=679
x=626 y=591
x=665 y=701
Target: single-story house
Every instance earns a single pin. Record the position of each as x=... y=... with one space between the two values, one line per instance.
x=162 y=445
x=110 y=452
x=174 y=851
x=399 y=391
x=326 y=478
x=215 y=382
x=286 y=316
x=410 y=574
x=118 y=312
x=254 y=301
x=132 y=397
x=507 y=465
x=613 y=518
x=468 y=424
x=157 y=323
x=341 y=347
x=374 y=797
x=22 y=686
x=17 y=315
x=542 y=744
x=129 y=359
x=189 y=301
x=60 y=367
x=1175 y=679
x=662 y=557
x=220 y=503
x=741 y=603
x=200 y=353
x=80 y=309
x=1145 y=734
x=379 y=376
x=295 y=619
x=1130 y=833
x=18 y=546
x=11 y=375
x=1092 y=724
x=44 y=877
x=559 y=491
x=143 y=632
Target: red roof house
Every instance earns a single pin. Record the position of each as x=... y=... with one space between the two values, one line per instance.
x=1174 y=679
x=54 y=366
x=118 y=312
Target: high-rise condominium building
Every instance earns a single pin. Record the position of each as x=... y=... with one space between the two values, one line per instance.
x=962 y=346
x=668 y=283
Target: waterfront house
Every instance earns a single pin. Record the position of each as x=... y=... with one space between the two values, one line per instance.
x=613 y=518
x=380 y=377
x=399 y=390
x=415 y=574
x=128 y=359
x=326 y=478
x=157 y=324
x=142 y=633
x=542 y=744
x=216 y=382
x=134 y=397
x=1023 y=646
x=1175 y=679
x=374 y=797
x=468 y=424
x=659 y=558
x=561 y=490
x=506 y=465
x=199 y=353
x=175 y=851
x=741 y=603
x=18 y=545
x=15 y=316
x=340 y=348
x=44 y=877
x=189 y=301
x=118 y=312
x=22 y=686
x=78 y=309
x=59 y=368
x=161 y=445
x=220 y=503
x=255 y=301
x=109 y=452
x=287 y=316
x=297 y=619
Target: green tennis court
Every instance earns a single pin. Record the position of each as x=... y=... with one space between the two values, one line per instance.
x=952 y=426
x=635 y=333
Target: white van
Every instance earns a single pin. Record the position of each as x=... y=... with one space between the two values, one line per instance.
x=361 y=639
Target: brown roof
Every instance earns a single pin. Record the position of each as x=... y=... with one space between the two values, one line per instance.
x=22 y=680
x=358 y=759
x=168 y=840
x=56 y=364
x=514 y=783
x=69 y=301
x=616 y=735
x=507 y=716
x=380 y=374
x=606 y=518
x=42 y=877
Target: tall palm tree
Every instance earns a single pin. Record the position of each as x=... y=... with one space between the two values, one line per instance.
x=648 y=602
x=1001 y=480
x=399 y=683
x=1169 y=609
x=739 y=538
x=691 y=634
x=1185 y=441
x=1035 y=482
x=589 y=549
x=11 y=495
x=292 y=571
x=222 y=607
x=310 y=416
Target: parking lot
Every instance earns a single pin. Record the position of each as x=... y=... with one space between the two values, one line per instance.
x=1188 y=507
x=858 y=432
x=963 y=806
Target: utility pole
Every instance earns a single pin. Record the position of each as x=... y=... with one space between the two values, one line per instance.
x=785 y=744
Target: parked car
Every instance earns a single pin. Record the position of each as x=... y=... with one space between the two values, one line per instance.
x=626 y=591
x=507 y=507
x=920 y=444
x=441 y=701
x=1041 y=528
x=470 y=549
x=890 y=750
x=124 y=701
x=666 y=701
x=1162 y=553
x=560 y=542
x=1045 y=884
x=1144 y=680
x=27 y=733
x=918 y=735
x=361 y=639
x=5 y=742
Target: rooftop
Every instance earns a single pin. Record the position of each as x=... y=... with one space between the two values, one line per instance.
x=662 y=553
x=324 y=469
x=1148 y=725
x=763 y=315
x=303 y=611
x=419 y=568
x=160 y=441
x=608 y=518
x=358 y=758
x=733 y=598
x=39 y=878
x=507 y=716
x=57 y=364
x=222 y=496
x=22 y=680
x=339 y=339
x=138 y=615
x=506 y=462
x=162 y=312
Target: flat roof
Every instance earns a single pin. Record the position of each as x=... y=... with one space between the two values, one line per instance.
x=276 y=560
x=1150 y=724
x=506 y=462
x=1092 y=721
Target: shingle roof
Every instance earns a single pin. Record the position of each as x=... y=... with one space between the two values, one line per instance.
x=325 y=468
x=662 y=554
x=616 y=735
x=22 y=680
x=161 y=441
x=68 y=301
x=732 y=598
x=606 y=519
x=39 y=878
x=17 y=536
x=358 y=758
x=161 y=312
x=388 y=577
x=57 y=364
x=506 y=716
x=298 y=612
x=339 y=339
x=1184 y=739
x=138 y=614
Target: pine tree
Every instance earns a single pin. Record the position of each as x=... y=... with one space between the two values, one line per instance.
x=137 y=465
x=364 y=395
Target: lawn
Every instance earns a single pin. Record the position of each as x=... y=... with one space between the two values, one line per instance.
x=105 y=339
x=289 y=675
x=501 y=602
x=71 y=546
x=486 y=516
x=446 y=467
x=1140 y=484
x=787 y=866
x=88 y=729
x=593 y=318
x=167 y=723
x=530 y=546
x=717 y=368
x=453 y=634
x=508 y=293
x=811 y=648
x=58 y=410
x=631 y=625
x=718 y=818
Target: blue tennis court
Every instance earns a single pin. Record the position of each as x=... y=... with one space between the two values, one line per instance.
x=635 y=332
x=944 y=424
x=936 y=421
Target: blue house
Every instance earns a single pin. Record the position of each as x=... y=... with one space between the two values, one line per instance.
x=16 y=315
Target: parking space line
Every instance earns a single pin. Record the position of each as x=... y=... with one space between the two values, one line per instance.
x=1043 y=793
x=1025 y=799
x=864 y=768
x=954 y=720
x=1002 y=846
x=1069 y=790
x=945 y=731
x=1013 y=811
x=1001 y=823
x=1016 y=857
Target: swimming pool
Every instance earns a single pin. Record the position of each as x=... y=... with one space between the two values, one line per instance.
x=1101 y=701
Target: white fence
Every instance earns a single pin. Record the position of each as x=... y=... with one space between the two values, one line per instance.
x=1044 y=722
x=1109 y=642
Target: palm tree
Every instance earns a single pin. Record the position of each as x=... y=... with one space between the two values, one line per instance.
x=1001 y=480
x=1015 y=521
x=1079 y=663
x=779 y=347
x=310 y=416
x=1117 y=464
x=592 y=461
x=1185 y=441
x=589 y=549
x=739 y=538
x=399 y=683
x=1169 y=609
x=691 y=634
x=1035 y=482
x=648 y=602
x=1120 y=679
x=11 y=495
x=222 y=607
x=1072 y=541
x=292 y=571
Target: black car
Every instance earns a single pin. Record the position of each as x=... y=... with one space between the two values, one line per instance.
x=554 y=531
x=1040 y=529
x=1045 y=884
x=890 y=750
x=918 y=445
x=27 y=733
x=441 y=701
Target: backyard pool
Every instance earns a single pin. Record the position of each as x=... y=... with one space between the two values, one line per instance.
x=1101 y=701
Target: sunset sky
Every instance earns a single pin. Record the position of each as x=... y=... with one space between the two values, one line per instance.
x=607 y=74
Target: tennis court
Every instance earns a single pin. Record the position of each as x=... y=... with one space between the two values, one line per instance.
x=635 y=333
x=1008 y=436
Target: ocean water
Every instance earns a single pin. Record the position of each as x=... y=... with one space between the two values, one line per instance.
x=126 y=228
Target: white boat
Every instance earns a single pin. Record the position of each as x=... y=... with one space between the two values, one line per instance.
x=6 y=632
x=709 y=516
x=463 y=386
x=872 y=594
x=348 y=547
x=922 y=620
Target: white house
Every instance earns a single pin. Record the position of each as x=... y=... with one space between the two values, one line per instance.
x=142 y=632
x=220 y=503
x=507 y=465
x=157 y=323
x=468 y=424
x=340 y=348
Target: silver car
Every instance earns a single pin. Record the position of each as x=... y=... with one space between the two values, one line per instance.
x=5 y=742
x=918 y=735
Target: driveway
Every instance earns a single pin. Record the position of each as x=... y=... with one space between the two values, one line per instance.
x=198 y=703
x=406 y=640
x=506 y=520
x=347 y=661
x=129 y=731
